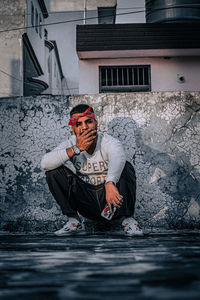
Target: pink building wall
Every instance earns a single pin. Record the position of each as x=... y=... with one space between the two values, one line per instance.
x=164 y=73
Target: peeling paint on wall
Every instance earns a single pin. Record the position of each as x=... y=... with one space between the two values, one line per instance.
x=159 y=132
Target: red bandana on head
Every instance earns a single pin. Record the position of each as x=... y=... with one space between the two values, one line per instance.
x=73 y=120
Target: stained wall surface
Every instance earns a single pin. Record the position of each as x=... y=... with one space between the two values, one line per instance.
x=160 y=135
x=164 y=73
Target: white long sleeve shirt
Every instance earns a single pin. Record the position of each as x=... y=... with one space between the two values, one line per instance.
x=105 y=164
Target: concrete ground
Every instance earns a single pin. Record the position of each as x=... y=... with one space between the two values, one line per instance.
x=162 y=265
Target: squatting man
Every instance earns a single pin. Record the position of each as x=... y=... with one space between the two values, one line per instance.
x=100 y=175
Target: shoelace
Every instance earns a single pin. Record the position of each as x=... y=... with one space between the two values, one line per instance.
x=129 y=223
x=67 y=227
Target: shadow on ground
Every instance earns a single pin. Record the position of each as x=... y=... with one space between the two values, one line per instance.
x=100 y=266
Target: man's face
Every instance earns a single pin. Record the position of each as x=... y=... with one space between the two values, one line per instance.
x=83 y=124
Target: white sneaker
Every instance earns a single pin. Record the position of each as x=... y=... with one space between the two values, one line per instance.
x=71 y=227
x=131 y=227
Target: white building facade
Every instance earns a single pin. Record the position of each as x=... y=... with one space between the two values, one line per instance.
x=138 y=57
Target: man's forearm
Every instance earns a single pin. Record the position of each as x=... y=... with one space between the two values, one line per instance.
x=115 y=169
x=54 y=159
x=113 y=151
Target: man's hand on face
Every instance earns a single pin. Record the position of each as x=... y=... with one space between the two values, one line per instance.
x=112 y=195
x=84 y=140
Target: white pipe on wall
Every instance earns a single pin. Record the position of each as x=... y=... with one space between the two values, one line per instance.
x=84 y=12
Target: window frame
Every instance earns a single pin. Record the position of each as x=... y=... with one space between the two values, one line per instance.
x=125 y=88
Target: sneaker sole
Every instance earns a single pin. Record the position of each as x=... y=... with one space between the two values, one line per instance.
x=134 y=234
x=70 y=233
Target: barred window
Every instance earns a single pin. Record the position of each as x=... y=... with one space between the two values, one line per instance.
x=135 y=78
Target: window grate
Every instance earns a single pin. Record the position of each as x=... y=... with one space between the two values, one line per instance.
x=125 y=78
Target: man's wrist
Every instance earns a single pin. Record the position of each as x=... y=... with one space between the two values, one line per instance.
x=72 y=151
x=76 y=149
x=109 y=183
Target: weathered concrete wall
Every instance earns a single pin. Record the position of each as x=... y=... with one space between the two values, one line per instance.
x=160 y=134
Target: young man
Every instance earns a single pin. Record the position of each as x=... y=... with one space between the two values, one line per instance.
x=100 y=175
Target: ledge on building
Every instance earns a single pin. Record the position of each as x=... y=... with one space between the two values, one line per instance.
x=35 y=86
x=137 y=40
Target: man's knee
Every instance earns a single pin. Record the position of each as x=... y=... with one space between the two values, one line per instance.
x=128 y=171
x=60 y=171
x=51 y=173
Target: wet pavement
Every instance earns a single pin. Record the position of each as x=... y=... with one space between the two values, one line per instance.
x=157 y=266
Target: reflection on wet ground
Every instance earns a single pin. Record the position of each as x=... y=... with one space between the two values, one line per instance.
x=156 y=266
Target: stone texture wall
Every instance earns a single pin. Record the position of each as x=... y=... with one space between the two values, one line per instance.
x=160 y=134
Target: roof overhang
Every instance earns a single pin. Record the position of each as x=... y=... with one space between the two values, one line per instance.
x=35 y=86
x=137 y=40
x=138 y=53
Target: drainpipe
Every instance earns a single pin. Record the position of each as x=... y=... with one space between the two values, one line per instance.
x=84 y=12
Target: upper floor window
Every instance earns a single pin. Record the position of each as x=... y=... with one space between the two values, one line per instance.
x=57 y=79
x=136 y=78
x=55 y=69
x=45 y=34
x=40 y=27
x=32 y=14
x=36 y=20
x=106 y=15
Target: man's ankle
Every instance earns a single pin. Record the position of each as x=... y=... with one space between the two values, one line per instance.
x=75 y=216
x=126 y=217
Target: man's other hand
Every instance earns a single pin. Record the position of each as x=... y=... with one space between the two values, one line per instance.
x=112 y=195
x=85 y=139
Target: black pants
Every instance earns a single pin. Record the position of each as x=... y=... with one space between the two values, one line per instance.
x=74 y=195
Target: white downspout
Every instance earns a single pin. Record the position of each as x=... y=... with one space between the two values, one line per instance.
x=84 y=12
